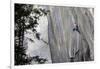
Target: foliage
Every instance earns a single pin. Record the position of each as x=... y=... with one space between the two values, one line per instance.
x=23 y=22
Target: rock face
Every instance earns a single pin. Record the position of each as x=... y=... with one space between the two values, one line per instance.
x=67 y=35
x=71 y=34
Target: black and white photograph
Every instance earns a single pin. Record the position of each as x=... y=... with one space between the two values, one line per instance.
x=46 y=34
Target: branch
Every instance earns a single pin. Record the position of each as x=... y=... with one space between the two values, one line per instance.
x=44 y=41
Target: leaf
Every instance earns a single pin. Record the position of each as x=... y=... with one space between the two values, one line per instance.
x=38 y=36
x=36 y=11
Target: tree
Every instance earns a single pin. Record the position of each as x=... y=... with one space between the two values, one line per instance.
x=23 y=22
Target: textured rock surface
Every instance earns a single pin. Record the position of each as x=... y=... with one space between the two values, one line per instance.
x=71 y=34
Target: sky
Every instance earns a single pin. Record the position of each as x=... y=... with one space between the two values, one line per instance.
x=38 y=47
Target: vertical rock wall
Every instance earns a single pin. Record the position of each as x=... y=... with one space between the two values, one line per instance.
x=71 y=33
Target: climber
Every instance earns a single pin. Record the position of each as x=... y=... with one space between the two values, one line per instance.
x=76 y=28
